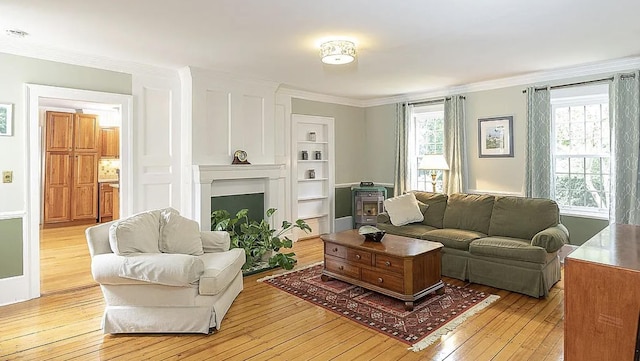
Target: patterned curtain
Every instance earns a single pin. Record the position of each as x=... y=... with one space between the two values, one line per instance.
x=455 y=143
x=625 y=116
x=538 y=166
x=401 y=176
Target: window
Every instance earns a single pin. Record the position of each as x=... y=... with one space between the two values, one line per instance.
x=581 y=149
x=426 y=136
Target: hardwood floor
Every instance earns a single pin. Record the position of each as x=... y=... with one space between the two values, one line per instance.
x=263 y=324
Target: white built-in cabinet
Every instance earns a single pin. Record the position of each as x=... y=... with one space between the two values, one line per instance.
x=313 y=179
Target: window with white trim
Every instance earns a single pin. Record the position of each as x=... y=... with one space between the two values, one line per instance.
x=426 y=136
x=581 y=149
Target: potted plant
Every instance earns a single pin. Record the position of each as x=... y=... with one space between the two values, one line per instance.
x=258 y=239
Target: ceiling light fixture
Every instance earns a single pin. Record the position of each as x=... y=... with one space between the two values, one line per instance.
x=338 y=52
x=15 y=33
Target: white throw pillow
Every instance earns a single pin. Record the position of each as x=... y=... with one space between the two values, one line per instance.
x=179 y=234
x=403 y=209
x=136 y=234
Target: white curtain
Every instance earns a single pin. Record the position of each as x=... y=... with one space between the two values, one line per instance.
x=401 y=177
x=625 y=116
x=455 y=145
x=538 y=166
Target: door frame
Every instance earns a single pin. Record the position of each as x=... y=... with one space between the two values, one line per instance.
x=33 y=93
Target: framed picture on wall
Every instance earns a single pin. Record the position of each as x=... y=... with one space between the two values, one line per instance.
x=6 y=117
x=495 y=137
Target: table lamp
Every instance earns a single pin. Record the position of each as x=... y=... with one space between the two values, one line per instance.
x=433 y=162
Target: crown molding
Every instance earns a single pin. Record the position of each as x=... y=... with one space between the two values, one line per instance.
x=21 y=48
x=318 y=97
x=601 y=68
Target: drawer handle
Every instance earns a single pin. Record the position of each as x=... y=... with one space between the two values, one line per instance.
x=341 y=268
x=358 y=256
x=387 y=263
x=335 y=249
x=379 y=279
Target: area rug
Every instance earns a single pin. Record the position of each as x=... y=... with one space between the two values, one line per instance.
x=432 y=316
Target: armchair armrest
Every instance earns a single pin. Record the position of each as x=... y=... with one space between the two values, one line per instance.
x=552 y=238
x=215 y=241
x=383 y=218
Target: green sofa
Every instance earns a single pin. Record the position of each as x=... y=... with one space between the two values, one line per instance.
x=505 y=242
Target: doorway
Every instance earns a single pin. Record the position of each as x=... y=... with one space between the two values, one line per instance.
x=37 y=94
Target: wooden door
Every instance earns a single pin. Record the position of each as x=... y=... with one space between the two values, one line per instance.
x=57 y=187
x=84 y=199
x=59 y=132
x=106 y=202
x=86 y=132
x=110 y=142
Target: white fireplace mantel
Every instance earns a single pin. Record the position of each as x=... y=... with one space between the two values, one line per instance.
x=218 y=180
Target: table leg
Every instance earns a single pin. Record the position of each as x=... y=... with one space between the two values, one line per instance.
x=408 y=306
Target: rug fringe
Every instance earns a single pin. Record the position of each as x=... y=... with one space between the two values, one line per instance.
x=295 y=269
x=444 y=329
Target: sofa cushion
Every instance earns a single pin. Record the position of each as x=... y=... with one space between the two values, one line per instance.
x=469 y=211
x=403 y=209
x=179 y=234
x=167 y=269
x=520 y=217
x=215 y=241
x=413 y=230
x=220 y=268
x=453 y=238
x=508 y=248
x=437 y=203
x=136 y=234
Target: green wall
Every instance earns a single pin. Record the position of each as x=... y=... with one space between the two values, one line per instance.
x=581 y=229
x=11 y=248
x=254 y=203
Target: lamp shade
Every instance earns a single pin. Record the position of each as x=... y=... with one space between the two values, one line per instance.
x=433 y=162
x=338 y=52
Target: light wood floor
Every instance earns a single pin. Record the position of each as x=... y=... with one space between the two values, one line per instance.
x=263 y=323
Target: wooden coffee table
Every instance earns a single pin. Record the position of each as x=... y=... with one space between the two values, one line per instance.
x=400 y=267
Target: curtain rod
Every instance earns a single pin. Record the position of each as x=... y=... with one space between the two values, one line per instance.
x=434 y=101
x=629 y=75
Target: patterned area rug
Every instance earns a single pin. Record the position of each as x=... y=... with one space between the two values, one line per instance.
x=432 y=316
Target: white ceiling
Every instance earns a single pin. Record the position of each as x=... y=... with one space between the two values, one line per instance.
x=404 y=47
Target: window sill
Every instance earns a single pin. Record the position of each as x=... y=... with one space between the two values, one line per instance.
x=584 y=214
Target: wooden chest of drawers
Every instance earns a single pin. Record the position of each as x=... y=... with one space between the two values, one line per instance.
x=399 y=267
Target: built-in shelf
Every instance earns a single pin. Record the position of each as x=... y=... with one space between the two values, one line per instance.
x=311 y=198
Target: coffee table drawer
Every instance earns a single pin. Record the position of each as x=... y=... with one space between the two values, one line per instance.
x=384 y=280
x=335 y=250
x=388 y=263
x=343 y=268
x=359 y=256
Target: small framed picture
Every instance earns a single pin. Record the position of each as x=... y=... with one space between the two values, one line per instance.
x=495 y=137
x=6 y=119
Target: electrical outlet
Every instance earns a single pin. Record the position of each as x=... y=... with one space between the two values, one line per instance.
x=7 y=176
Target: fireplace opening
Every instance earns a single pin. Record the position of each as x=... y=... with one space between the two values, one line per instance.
x=233 y=203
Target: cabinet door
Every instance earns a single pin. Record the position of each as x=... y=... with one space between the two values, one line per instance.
x=57 y=187
x=85 y=186
x=86 y=133
x=59 y=132
x=110 y=142
x=106 y=201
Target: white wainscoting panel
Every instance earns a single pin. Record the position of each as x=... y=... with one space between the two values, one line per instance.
x=157 y=132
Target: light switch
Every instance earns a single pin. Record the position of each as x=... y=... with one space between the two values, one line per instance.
x=7 y=176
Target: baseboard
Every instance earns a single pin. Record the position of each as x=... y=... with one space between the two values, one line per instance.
x=343 y=224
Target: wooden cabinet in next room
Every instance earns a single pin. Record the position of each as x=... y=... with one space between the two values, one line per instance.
x=110 y=142
x=70 y=167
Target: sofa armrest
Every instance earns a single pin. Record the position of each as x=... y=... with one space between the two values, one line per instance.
x=215 y=241
x=383 y=218
x=552 y=238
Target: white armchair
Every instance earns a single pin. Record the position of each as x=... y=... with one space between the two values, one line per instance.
x=159 y=273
